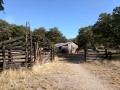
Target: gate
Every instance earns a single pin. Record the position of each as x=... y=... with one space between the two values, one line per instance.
x=25 y=51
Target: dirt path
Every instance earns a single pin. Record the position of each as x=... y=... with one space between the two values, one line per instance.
x=75 y=77
x=63 y=74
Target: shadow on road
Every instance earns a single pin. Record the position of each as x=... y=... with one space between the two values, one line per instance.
x=71 y=58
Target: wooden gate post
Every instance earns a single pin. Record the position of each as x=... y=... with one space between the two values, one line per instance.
x=85 y=53
x=31 y=51
x=51 y=56
x=53 y=53
x=26 y=50
x=40 y=56
x=3 y=56
x=9 y=53
x=36 y=53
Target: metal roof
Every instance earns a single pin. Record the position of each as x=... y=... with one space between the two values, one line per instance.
x=62 y=44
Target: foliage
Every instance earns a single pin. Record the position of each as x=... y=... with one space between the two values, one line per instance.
x=10 y=30
x=107 y=29
x=40 y=31
x=85 y=36
x=17 y=31
x=1 y=5
x=102 y=29
x=55 y=36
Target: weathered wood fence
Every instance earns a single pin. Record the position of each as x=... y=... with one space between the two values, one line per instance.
x=25 y=51
x=98 y=54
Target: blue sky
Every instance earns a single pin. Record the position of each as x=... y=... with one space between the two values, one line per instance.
x=67 y=15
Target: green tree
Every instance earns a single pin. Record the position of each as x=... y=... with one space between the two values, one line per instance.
x=107 y=29
x=116 y=25
x=1 y=5
x=55 y=36
x=4 y=27
x=40 y=31
x=17 y=31
x=85 y=38
x=103 y=34
x=11 y=30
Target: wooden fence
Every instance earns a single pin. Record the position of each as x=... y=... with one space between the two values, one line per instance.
x=98 y=54
x=25 y=51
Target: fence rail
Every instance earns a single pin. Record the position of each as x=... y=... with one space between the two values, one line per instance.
x=25 y=50
x=98 y=54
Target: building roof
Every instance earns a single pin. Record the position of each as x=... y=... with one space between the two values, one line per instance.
x=62 y=44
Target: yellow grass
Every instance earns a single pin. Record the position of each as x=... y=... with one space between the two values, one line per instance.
x=32 y=79
x=16 y=79
x=107 y=71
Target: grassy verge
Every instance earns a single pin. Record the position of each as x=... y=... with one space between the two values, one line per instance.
x=22 y=79
x=108 y=71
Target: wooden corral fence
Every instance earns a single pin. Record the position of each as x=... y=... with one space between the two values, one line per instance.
x=25 y=51
x=98 y=54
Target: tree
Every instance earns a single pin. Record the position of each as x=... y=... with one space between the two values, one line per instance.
x=85 y=38
x=40 y=31
x=11 y=30
x=17 y=31
x=116 y=25
x=107 y=29
x=55 y=36
x=1 y=5
x=103 y=34
x=4 y=27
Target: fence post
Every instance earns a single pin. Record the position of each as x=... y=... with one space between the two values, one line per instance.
x=9 y=53
x=31 y=51
x=40 y=56
x=85 y=53
x=51 y=54
x=36 y=53
x=3 y=56
x=26 y=50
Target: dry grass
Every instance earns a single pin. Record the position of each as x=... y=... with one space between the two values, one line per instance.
x=19 y=79
x=108 y=71
x=38 y=78
x=56 y=76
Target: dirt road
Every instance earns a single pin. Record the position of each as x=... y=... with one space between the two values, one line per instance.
x=72 y=76
x=65 y=73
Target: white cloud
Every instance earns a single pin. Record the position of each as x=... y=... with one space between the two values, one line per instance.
x=9 y=19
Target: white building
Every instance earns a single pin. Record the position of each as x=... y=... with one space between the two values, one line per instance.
x=68 y=47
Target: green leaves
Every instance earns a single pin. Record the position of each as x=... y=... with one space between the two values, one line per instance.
x=55 y=36
x=1 y=5
x=10 y=30
x=40 y=31
x=106 y=31
x=85 y=36
x=107 y=28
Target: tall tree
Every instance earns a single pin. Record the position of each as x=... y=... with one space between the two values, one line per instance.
x=17 y=31
x=107 y=29
x=40 y=31
x=11 y=30
x=4 y=27
x=116 y=25
x=55 y=36
x=85 y=38
x=103 y=34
